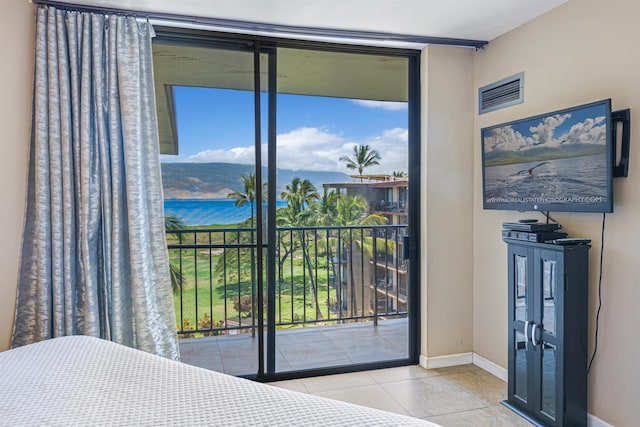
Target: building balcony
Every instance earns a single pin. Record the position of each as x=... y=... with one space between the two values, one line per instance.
x=324 y=283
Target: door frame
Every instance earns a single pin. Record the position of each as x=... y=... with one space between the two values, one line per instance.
x=269 y=45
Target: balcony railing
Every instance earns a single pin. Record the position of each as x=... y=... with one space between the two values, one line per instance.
x=324 y=275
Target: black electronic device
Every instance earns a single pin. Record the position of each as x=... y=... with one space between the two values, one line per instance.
x=560 y=161
x=532 y=227
x=571 y=241
x=539 y=237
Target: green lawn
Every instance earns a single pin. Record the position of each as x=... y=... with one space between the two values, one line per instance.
x=202 y=283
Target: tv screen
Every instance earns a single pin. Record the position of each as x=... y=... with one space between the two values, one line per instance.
x=559 y=161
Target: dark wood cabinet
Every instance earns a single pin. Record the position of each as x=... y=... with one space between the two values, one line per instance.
x=548 y=295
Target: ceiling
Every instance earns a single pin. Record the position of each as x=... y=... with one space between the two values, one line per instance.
x=460 y=19
x=313 y=73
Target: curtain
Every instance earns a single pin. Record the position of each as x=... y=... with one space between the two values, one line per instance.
x=94 y=257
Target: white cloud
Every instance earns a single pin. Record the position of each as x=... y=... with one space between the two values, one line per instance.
x=393 y=147
x=308 y=137
x=385 y=105
x=243 y=155
x=542 y=134
x=591 y=131
x=505 y=138
x=315 y=149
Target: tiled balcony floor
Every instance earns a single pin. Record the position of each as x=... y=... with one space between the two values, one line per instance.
x=304 y=348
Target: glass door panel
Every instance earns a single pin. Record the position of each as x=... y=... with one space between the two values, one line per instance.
x=521 y=288
x=549 y=368
x=549 y=282
x=521 y=369
x=549 y=380
x=521 y=323
x=342 y=289
x=206 y=116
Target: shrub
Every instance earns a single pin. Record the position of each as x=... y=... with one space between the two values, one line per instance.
x=206 y=323
x=243 y=305
x=187 y=325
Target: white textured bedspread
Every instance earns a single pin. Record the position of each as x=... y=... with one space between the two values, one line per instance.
x=83 y=381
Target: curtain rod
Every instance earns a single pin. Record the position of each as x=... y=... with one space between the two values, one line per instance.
x=273 y=28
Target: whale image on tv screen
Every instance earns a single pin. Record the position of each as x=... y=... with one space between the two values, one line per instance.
x=560 y=161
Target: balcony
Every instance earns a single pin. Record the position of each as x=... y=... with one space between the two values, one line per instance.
x=327 y=287
x=303 y=348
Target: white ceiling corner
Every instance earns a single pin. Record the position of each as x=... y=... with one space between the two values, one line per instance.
x=460 y=19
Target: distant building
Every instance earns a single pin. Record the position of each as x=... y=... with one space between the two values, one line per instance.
x=388 y=196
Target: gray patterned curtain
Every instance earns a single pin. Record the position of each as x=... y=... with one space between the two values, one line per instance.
x=94 y=256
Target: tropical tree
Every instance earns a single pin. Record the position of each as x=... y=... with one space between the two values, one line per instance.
x=363 y=157
x=287 y=245
x=353 y=211
x=235 y=263
x=249 y=194
x=174 y=222
x=242 y=198
x=324 y=209
x=300 y=194
x=399 y=174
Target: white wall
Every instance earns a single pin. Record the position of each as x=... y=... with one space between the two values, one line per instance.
x=447 y=201
x=16 y=45
x=581 y=52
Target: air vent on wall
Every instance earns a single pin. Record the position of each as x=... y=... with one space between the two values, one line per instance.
x=501 y=94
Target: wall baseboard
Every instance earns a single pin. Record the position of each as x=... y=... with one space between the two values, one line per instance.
x=445 y=361
x=593 y=421
x=489 y=366
x=493 y=368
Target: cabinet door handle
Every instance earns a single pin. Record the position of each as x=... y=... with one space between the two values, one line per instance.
x=526 y=331
x=533 y=335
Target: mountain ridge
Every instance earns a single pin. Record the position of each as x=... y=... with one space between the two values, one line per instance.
x=217 y=180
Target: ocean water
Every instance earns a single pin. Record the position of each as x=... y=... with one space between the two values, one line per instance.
x=211 y=211
x=573 y=180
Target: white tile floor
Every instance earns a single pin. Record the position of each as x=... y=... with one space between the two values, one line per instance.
x=457 y=396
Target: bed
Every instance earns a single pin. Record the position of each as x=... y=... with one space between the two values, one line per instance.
x=84 y=381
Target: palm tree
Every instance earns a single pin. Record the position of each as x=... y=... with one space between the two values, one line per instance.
x=249 y=196
x=324 y=209
x=286 y=244
x=353 y=211
x=300 y=194
x=363 y=157
x=174 y=222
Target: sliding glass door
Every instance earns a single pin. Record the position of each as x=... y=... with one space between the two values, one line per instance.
x=340 y=288
x=287 y=178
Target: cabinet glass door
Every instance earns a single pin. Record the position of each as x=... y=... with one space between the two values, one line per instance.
x=520 y=363
x=548 y=340
x=520 y=325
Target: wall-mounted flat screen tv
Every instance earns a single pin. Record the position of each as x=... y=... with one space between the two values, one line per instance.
x=559 y=161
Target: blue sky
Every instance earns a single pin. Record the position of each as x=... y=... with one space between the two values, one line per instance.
x=217 y=125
